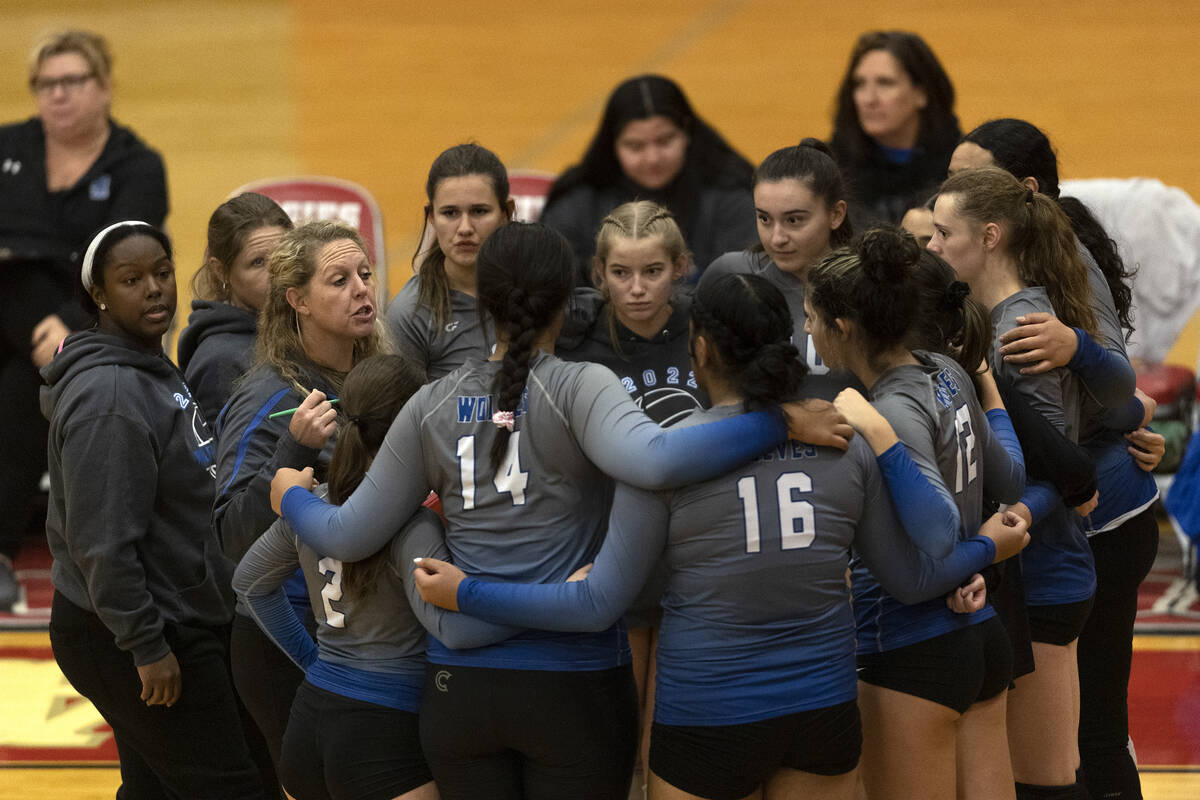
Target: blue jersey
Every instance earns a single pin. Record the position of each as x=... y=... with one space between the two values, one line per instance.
x=932 y=408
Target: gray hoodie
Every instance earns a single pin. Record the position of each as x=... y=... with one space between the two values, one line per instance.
x=131 y=488
x=215 y=349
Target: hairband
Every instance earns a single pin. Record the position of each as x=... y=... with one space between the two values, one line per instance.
x=85 y=273
x=503 y=419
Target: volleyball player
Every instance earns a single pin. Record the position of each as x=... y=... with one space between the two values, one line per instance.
x=353 y=730
x=1016 y=250
x=641 y=334
x=1122 y=529
x=932 y=682
x=434 y=319
x=800 y=204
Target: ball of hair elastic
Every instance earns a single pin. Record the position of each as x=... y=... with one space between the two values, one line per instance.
x=954 y=295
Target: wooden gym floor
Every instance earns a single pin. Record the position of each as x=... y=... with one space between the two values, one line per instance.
x=232 y=91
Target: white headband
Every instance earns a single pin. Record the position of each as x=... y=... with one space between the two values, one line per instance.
x=85 y=274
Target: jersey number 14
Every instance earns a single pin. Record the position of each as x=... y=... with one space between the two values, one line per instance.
x=510 y=479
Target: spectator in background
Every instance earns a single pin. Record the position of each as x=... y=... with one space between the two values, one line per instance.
x=652 y=146
x=217 y=346
x=894 y=128
x=64 y=174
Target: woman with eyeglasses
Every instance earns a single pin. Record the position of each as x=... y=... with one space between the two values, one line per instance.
x=64 y=174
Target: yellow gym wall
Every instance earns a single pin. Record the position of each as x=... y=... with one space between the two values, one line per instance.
x=371 y=91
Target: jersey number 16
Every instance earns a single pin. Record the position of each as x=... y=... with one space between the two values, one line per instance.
x=797 y=523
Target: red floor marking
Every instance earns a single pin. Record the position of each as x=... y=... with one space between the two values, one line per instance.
x=57 y=725
x=1164 y=707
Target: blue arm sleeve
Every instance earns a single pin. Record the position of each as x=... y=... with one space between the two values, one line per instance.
x=1041 y=498
x=424 y=537
x=1108 y=377
x=626 y=444
x=905 y=571
x=927 y=512
x=392 y=489
x=1003 y=459
x=637 y=532
x=1125 y=418
x=258 y=581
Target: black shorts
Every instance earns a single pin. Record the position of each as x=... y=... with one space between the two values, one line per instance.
x=1006 y=593
x=507 y=733
x=1060 y=624
x=336 y=746
x=727 y=762
x=956 y=669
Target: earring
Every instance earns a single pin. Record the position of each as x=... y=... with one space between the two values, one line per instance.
x=103 y=307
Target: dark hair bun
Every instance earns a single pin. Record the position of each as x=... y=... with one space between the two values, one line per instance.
x=816 y=144
x=888 y=254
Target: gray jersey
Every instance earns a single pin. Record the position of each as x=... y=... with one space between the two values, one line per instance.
x=439 y=349
x=1057 y=566
x=1056 y=394
x=1112 y=336
x=933 y=410
x=822 y=382
x=383 y=631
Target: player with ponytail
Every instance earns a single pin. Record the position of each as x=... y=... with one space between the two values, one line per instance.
x=929 y=678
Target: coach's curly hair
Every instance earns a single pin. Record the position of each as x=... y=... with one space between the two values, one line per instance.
x=372 y=395
x=746 y=320
x=524 y=273
x=292 y=266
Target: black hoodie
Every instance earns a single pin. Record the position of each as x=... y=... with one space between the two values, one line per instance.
x=45 y=230
x=131 y=490
x=215 y=349
x=656 y=372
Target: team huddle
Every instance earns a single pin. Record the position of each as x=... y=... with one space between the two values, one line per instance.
x=715 y=479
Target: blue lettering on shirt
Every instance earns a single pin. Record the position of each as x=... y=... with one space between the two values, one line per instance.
x=101 y=188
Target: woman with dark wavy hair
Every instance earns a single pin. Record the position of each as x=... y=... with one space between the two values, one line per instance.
x=894 y=127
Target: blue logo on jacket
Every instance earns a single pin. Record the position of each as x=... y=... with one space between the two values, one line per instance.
x=101 y=188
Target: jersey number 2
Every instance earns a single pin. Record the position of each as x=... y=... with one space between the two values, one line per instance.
x=797 y=523
x=331 y=592
x=509 y=477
